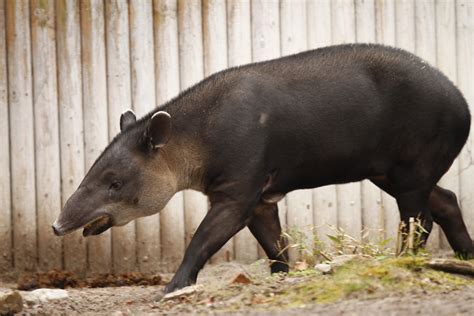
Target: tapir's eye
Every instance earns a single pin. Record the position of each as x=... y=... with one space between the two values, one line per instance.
x=116 y=185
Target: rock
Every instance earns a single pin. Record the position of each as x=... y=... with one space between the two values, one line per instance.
x=342 y=260
x=45 y=295
x=323 y=267
x=301 y=265
x=185 y=291
x=241 y=278
x=11 y=302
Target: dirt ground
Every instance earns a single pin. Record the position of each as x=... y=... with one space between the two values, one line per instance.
x=269 y=295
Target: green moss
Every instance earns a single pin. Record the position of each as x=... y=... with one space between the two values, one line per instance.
x=369 y=278
x=362 y=277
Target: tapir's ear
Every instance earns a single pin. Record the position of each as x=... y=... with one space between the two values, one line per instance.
x=126 y=119
x=158 y=130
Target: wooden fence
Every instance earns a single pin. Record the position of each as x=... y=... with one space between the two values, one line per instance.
x=69 y=68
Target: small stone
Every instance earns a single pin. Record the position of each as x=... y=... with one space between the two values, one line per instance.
x=185 y=291
x=323 y=267
x=45 y=295
x=241 y=278
x=11 y=302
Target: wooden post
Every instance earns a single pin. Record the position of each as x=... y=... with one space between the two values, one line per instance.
x=293 y=25
x=144 y=100
x=425 y=47
x=6 y=260
x=215 y=60
x=404 y=38
x=119 y=100
x=240 y=52
x=465 y=74
x=386 y=34
x=365 y=21
x=191 y=71
x=48 y=187
x=405 y=24
x=348 y=195
x=94 y=86
x=324 y=198
x=446 y=62
x=167 y=87
x=70 y=121
x=22 y=147
x=265 y=17
x=371 y=196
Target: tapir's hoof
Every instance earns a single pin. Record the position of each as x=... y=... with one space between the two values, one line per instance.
x=277 y=267
x=176 y=285
x=160 y=296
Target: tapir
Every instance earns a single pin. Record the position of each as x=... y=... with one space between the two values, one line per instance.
x=248 y=135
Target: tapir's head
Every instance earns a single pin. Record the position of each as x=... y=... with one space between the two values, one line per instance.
x=132 y=178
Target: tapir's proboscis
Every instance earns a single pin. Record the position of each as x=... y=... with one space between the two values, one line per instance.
x=248 y=135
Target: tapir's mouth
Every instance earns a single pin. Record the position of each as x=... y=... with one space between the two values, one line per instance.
x=98 y=225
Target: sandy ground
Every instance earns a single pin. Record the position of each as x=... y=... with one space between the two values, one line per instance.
x=147 y=299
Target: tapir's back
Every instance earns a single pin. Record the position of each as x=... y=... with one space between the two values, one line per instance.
x=341 y=113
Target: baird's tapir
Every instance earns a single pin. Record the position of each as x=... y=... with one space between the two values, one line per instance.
x=248 y=135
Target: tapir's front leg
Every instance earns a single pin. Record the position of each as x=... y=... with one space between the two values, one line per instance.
x=225 y=218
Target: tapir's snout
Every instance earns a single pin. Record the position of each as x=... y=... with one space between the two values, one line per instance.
x=56 y=230
x=59 y=229
x=81 y=211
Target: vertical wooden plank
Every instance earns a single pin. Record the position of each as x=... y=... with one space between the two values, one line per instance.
x=70 y=120
x=342 y=21
x=94 y=87
x=404 y=38
x=386 y=34
x=293 y=27
x=319 y=23
x=215 y=59
x=465 y=71
x=48 y=187
x=365 y=21
x=371 y=196
x=119 y=100
x=240 y=52
x=22 y=135
x=191 y=71
x=446 y=62
x=293 y=40
x=385 y=21
x=167 y=86
x=348 y=195
x=425 y=47
x=265 y=27
x=143 y=100
x=324 y=198
x=214 y=36
x=405 y=24
x=6 y=260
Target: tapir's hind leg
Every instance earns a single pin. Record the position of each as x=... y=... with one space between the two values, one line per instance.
x=446 y=212
x=411 y=203
x=439 y=205
x=265 y=226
